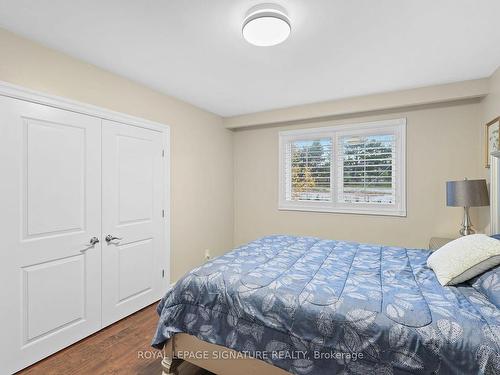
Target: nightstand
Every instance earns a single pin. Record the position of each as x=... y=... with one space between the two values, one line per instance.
x=437 y=242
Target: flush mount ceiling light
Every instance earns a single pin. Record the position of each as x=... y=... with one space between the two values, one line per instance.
x=266 y=25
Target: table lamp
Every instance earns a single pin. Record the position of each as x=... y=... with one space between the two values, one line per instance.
x=467 y=193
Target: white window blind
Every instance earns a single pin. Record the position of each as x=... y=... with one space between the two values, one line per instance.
x=308 y=170
x=358 y=168
x=365 y=169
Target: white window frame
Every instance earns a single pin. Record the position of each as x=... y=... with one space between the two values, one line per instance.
x=395 y=126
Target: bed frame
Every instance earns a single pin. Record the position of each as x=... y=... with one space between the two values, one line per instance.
x=182 y=342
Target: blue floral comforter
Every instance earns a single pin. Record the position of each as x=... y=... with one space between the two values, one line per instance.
x=312 y=306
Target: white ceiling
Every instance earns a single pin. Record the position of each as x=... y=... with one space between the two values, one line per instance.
x=193 y=49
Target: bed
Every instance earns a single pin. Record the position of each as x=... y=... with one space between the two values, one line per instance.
x=306 y=305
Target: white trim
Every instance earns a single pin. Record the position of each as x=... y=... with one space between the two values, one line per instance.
x=22 y=93
x=338 y=210
x=398 y=126
x=494 y=192
x=353 y=126
x=19 y=92
x=167 y=207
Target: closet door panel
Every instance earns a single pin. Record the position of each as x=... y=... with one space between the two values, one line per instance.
x=51 y=208
x=132 y=216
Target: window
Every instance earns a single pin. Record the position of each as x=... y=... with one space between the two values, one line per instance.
x=358 y=168
x=310 y=164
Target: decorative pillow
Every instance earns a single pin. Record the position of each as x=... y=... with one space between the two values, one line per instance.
x=488 y=284
x=464 y=258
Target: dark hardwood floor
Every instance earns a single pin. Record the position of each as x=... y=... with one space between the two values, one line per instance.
x=122 y=348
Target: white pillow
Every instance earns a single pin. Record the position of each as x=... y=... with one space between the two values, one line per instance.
x=464 y=258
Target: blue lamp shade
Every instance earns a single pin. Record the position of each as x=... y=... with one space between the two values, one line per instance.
x=467 y=193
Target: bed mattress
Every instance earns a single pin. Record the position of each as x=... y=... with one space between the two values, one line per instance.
x=314 y=306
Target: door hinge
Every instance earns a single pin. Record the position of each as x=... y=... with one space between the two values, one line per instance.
x=162 y=213
x=163 y=274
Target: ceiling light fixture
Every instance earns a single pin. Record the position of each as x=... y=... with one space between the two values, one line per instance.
x=266 y=25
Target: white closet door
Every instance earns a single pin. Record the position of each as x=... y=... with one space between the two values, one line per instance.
x=50 y=199
x=132 y=260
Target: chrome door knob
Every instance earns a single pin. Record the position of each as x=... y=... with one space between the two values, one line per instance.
x=110 y=238
x=93 y=241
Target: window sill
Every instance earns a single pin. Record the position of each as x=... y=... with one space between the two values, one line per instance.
x=338 y=210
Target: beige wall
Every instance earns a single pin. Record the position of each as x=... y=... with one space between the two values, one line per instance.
x=491 y=104
x=201 y=149
x=443 y=143
x=361 y=105
x=490 y=109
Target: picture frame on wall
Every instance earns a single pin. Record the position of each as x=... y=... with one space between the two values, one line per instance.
x=492 y=139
